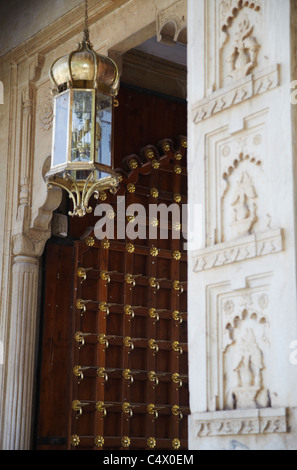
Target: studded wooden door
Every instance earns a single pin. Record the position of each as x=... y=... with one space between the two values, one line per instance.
x=130 y=382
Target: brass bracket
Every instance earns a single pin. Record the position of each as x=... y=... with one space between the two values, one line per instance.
x=126 y=407
x=127 y=375
x=128 y=343
x=153 y=345
x=177 y=347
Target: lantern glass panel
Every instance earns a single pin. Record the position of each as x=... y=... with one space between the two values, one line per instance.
x=61 y=129
x=82 y=175
x=81 y=135
x=100 y=175
x=103 y=129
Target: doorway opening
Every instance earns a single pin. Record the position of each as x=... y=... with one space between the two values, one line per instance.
x=141 y=396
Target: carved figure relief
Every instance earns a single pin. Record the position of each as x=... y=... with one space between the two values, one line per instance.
x=240 y=361
x=239 y=224
x=245 y=208
x=241 y=204
x=245 y=364
x=241 y=38
x=239 y=346
x=245 y=349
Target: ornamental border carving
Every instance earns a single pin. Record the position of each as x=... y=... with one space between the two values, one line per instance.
x=241 y=422
x=238 y=92
x=246 y=248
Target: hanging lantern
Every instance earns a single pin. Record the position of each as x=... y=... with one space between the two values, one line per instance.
x=85 y=85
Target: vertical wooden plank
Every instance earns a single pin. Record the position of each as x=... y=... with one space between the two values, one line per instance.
x=55 y=366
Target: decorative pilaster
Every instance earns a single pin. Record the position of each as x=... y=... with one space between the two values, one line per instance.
x=28 y=234
x=21 y=354
x=21 y=341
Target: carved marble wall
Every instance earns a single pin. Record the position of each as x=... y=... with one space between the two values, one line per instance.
x=241 y=154
x=242 y=281
x=26 y=204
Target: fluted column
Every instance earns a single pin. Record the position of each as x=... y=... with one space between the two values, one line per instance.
x=21 y=354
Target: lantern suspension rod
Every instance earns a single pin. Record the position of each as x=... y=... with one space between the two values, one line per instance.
x=86 y=36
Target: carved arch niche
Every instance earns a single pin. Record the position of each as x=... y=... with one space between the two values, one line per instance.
x=238 y=198
x=242 y=39
x=172 y=24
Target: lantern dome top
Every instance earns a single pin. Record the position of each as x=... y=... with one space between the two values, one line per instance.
x=84 y=68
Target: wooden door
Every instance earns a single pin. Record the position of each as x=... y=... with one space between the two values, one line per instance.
x=129 y=338
x=54 y=372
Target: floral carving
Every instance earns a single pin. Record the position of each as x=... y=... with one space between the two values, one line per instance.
x=229 y=307
x=45 y=114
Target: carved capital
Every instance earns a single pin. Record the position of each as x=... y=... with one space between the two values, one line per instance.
x=31 y=243
x=33 y=230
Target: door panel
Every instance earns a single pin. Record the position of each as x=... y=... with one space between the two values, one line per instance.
x=130 y=382
x=56 y=340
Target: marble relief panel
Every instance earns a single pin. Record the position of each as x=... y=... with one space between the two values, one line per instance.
x=237 y=205
x=241 y=39
x=239 y=346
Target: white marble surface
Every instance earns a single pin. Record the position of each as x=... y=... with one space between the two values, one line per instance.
x=242 y=282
